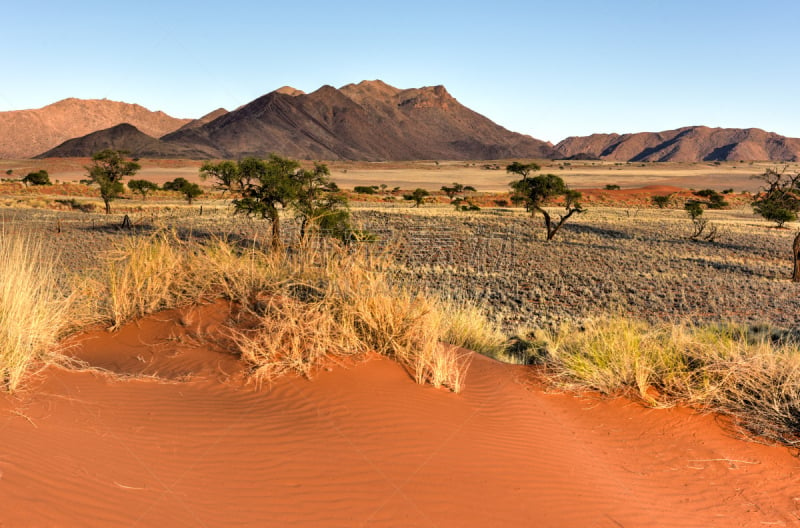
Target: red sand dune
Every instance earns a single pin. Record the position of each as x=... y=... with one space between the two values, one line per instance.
x=359 y=445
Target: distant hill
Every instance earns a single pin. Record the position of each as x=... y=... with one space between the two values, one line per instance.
x=697 y=143
x=120 y=137
x=367 y=121
x=25 y=133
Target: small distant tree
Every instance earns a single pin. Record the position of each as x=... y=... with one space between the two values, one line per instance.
x=37 y=178
x=537 y=191
x=9 y=172
x=364 y=189
x=523 y=169
x=107 y=169
x=225 y=175
x=612 y=187
x=779 y=198
x=418 y=196
x=702 y=228
x=465 y=204
x=715 y=199
x=189 y=190
x=142 y=187
x=456 y=189
x=661 y=201
x=779 y=201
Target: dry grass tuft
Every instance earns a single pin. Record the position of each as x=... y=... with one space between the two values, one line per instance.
x=751 y=376
x=34 y=312
x=309 y=305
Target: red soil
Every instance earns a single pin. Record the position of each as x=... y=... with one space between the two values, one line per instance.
x=194 y=445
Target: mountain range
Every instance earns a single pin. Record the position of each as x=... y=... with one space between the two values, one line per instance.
x=696 y=143
x=369 y=121
x=26 y=133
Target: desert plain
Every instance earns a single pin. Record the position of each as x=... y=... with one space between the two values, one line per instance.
x=161 y=422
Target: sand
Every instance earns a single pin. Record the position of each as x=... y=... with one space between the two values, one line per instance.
x=173 y=435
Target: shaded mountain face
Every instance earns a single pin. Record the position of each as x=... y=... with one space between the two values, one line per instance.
x=25 y=133
x=687 y=144
x=124 y=137
x=367 y=121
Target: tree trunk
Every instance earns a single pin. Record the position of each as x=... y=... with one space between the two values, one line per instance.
x=276 y=230
x=796 y=255
x=108 y=205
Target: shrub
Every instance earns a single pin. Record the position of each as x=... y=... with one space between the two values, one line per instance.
x=661 y=201
x=363 y=189
x=37 y=178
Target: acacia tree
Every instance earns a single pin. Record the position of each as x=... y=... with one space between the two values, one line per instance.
x=37 y=178
x=456 y=189
x=142 y=187
x=189 y=190
x=318 y=203
x=418 y=196
x=539 y=190
x=779 y=201
x=108 y=168
x=779 y=198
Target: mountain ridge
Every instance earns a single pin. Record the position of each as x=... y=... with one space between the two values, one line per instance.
x=685 y=144
x=370 y=121
x=25 y=133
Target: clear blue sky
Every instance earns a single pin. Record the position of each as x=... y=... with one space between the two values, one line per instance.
x=550 y=69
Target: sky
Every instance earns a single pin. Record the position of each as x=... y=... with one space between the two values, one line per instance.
x=549 y=69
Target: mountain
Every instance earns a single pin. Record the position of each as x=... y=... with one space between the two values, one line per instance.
x=367 y=121
x=25 y=133
x=120 y=137
x=697 y=143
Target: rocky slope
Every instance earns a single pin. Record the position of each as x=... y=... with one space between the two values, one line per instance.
x=25 y=133
x=688 y=144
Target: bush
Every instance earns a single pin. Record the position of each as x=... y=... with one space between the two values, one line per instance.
x=363 y=189
x=612 y=187
x=661 y=201
x=37 y=178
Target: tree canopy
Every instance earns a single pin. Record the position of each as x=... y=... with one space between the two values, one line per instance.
x=189 y=190
x=779 y=198
x=107 y=169
x=536 y=191
x=263 y=188
x=37 y=178
x=142 y=187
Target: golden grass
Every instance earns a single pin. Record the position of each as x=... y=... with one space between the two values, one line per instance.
x=34 y=313
x=308 y=305
x=750 y=375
